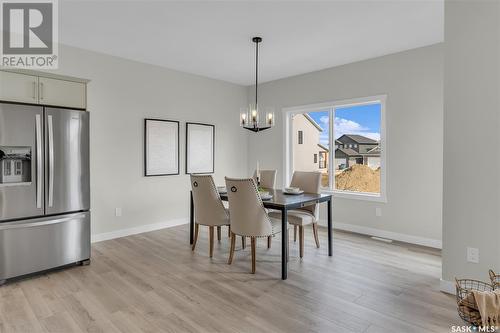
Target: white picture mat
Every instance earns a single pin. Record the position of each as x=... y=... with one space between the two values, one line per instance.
x=200 y=149
x=162 y=147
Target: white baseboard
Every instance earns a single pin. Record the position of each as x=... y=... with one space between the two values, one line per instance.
x=137 y=230
x=447 y=287
x=434 y=243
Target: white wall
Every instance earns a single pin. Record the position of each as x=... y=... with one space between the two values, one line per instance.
x=121 y=94
x=471 y=209
x=413 y=82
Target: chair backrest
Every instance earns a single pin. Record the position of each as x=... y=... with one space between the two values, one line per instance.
x=248 y=216
x=208 y=206
x=309 y=182
x=267 y=178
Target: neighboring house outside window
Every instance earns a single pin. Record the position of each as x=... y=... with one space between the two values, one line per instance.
x=304 y=149
x=363 y=151
x=356 y=129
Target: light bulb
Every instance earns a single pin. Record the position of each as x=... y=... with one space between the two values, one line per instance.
x=254 y=116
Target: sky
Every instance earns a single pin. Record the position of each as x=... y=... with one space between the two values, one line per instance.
x=361 y=119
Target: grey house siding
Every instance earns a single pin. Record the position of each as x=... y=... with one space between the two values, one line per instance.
x=364 y=148
x=356 y=149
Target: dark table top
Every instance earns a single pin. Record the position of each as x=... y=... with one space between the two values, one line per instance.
x=290 y=201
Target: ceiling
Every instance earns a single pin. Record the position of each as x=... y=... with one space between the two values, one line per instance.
x=212 y=39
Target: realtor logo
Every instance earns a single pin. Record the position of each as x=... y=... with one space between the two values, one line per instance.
x=29 y=33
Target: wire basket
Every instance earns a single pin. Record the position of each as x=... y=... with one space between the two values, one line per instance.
x=495 y=279
x=467 y=306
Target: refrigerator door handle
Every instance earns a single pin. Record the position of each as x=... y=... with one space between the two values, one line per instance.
x=39 y=159
x=51 y=160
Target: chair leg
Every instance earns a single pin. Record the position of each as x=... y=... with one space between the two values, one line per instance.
x=269 y=239
x=243 y=242
x=196 y=230
x=218 y=233
x=294 y=233
x=211 y=232
x=252 y=239
x=231 y=251
x=301 y=240
x=315 y=233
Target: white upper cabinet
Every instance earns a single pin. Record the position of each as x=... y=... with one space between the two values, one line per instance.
x=16 y=87
x=42 y=88
x=62 y=93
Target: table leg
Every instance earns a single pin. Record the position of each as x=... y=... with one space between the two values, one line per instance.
x=191 y=218
x=330 y=228
x=284 y=243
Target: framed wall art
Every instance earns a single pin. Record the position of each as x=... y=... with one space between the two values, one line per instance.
x=200 y=148
x=161 y=147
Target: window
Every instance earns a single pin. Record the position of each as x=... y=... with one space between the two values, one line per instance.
x=18 y=165
x=359 y=170
x=7 y=168
x=322 y=160
x=301 y=137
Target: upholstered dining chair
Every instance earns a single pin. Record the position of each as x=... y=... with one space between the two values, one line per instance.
x=208 y=207
x=267 y=178
x=309 y=182
x=249 y=218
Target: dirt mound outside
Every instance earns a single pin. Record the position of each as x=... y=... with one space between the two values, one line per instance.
x=359 y=178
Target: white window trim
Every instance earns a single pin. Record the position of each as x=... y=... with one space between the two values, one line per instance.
x=289 y=112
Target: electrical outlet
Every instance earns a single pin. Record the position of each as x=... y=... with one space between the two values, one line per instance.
x=473 y=255
x=118 y=212
x=378 y=211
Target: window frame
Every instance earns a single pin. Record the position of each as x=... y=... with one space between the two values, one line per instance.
x=331 y=106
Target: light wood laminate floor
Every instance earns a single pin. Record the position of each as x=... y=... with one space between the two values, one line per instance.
x=152 y=282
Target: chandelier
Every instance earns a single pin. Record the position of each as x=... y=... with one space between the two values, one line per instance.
x=250 y=118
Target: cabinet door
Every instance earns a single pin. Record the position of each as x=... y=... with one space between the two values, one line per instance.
x=62 y=93
x=16 y=87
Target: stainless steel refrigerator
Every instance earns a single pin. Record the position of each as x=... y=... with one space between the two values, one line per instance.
x=44 y=188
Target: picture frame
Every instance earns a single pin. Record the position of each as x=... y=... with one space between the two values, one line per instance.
x=161 y=147
x=200 y=148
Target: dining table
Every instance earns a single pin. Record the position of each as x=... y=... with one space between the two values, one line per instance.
x=284 y=202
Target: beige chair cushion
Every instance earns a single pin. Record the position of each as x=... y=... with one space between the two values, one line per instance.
x=309 y=182
x=248 y=215
x=295 y=217
x=267 y=178
x=208 y=207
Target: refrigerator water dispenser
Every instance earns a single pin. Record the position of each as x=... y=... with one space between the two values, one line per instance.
x=15 y=165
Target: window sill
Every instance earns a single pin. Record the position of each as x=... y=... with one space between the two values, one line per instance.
x=357 y=195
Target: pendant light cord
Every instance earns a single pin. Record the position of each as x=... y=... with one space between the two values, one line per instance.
x=256 y=71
